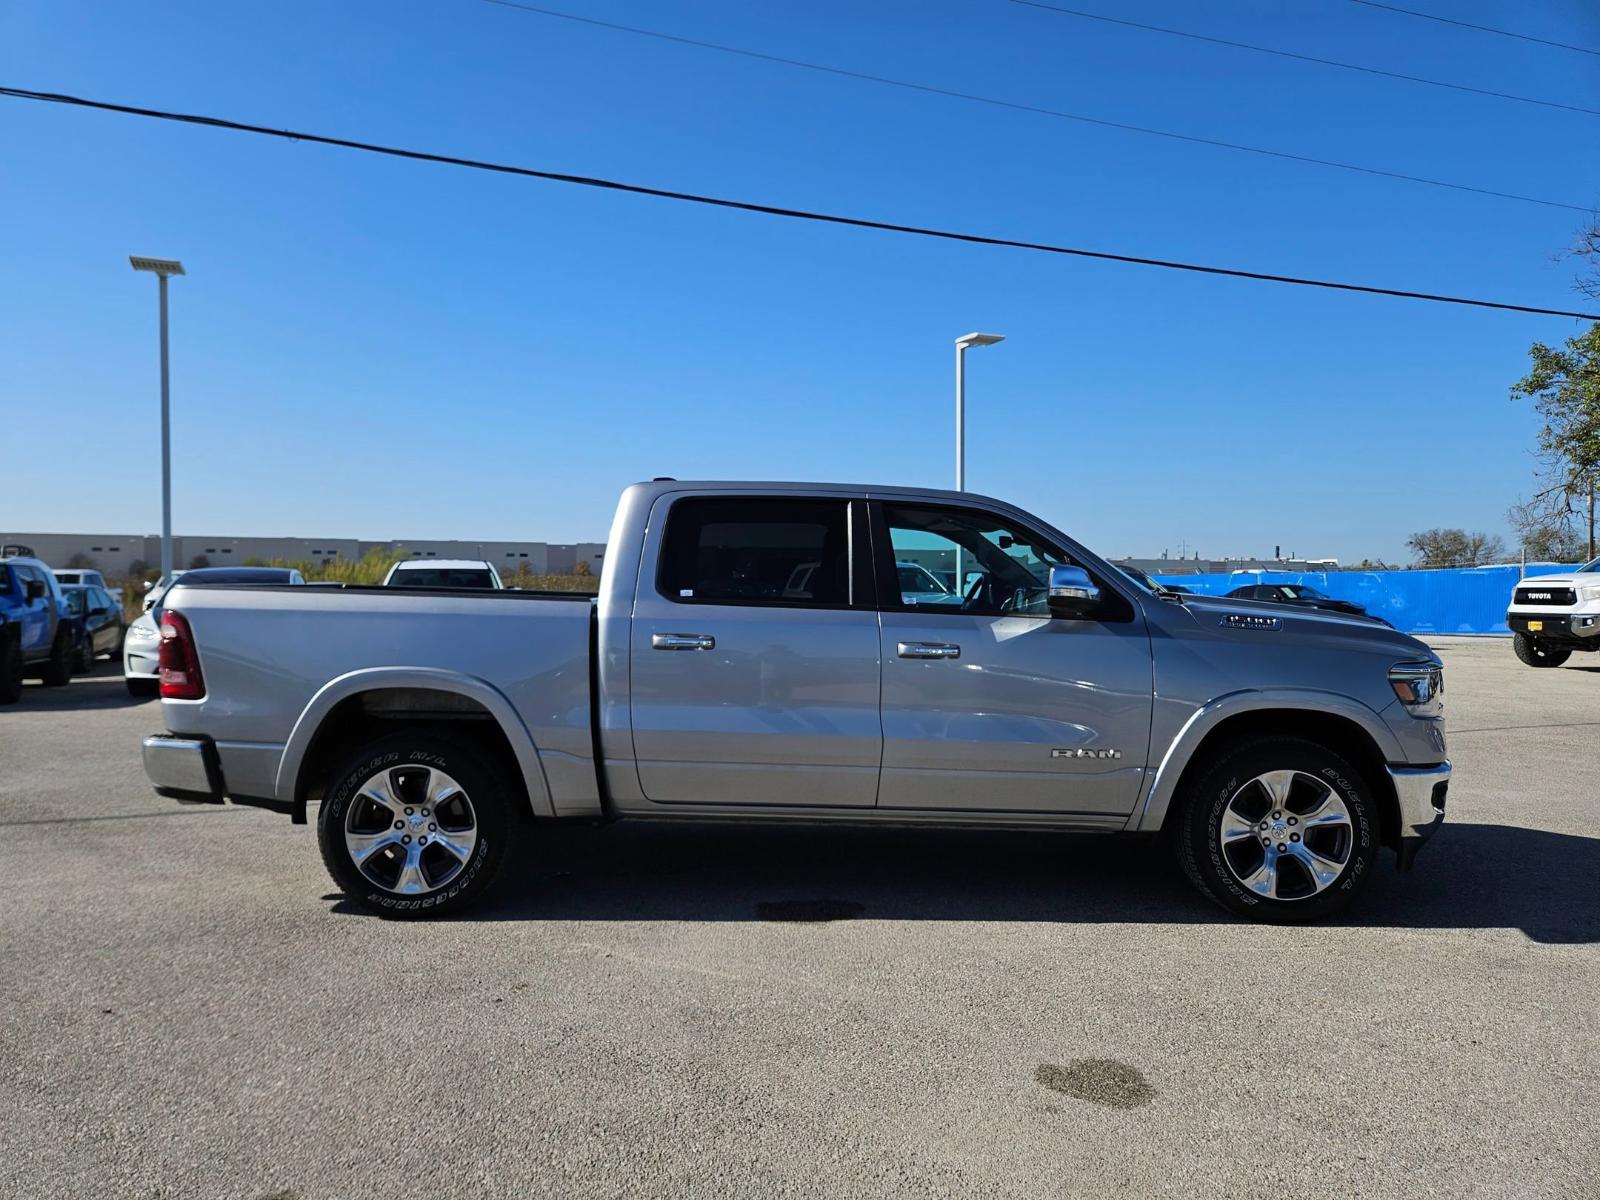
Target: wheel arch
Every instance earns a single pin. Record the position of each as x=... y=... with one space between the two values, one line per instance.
x=368 y=703
x=1346 y=727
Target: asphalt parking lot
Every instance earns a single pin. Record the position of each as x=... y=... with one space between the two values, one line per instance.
x=191 y=1010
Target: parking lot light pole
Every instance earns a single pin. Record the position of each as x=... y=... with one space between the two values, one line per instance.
x=971 y=339
x=163 y=267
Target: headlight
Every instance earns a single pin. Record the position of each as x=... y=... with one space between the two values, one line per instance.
x=142 y=633
x=1419 y=686
x=1590 y=593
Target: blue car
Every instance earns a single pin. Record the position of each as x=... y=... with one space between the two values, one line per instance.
x=39 y=636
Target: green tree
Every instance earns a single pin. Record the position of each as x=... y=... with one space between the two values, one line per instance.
x=1455 y=548
x=1545 y=535
x=1564 y=385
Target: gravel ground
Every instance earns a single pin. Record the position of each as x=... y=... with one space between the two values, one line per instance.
x=191 y=1010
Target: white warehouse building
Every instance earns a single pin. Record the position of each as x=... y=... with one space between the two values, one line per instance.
x=117 y=554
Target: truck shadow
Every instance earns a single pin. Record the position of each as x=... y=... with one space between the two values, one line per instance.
x=1469 y=877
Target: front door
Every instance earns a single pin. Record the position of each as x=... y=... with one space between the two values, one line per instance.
x=989 y=702
x=37 y=627
x=754 y=654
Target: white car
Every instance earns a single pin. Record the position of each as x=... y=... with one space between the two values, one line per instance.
x=443 y=573
x=1553 y=615
x=87 y=578
x=141 y=645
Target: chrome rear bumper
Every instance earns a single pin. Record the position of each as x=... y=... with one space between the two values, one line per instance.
x=183 y=768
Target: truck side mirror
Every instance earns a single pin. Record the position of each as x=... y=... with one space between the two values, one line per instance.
x=34 y=591
x=1072 y=593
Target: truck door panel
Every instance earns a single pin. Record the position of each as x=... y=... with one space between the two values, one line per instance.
x=1018 y=711
x=754 y=673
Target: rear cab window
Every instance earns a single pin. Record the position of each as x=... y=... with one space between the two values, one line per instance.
x=757 y=550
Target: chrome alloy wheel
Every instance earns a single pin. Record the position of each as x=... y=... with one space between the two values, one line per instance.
x=1286 y=835
x=410 y=829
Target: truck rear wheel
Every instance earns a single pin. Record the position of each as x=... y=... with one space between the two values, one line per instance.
x=1537 y=653
x=1281 y=829
x=416 y=824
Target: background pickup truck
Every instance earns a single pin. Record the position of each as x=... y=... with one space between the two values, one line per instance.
x=1552 y=615
x=753 y=655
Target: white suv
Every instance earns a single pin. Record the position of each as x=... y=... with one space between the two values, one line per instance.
x=443 y=573
x=1553 y=615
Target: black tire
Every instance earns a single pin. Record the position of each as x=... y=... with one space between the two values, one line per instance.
x=10 y=670
x=58 y=668
x=1537 y=653
x=84 y=660
x=403 y=758
x=141 y=687
x=1219 y=873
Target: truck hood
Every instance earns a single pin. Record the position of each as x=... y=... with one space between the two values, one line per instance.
x=1303 y=619
x=1571 y=579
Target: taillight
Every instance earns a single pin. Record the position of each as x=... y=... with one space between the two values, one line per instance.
x=180 y=665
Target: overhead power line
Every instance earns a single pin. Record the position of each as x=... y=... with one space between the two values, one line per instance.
x=1521 y=37
x=771 y=210
x=1037 y=110
x=1310 y=58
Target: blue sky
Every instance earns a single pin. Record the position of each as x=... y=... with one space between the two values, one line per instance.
x=375 y=348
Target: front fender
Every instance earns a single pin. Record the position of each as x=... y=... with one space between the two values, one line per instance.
x=369 y=679
x=1163 y=783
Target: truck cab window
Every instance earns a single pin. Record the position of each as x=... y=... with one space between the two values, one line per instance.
x=739 y=550
x=965 y=560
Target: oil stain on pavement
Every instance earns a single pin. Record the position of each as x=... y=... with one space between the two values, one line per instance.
x=1099 y=1081
x=809 y=912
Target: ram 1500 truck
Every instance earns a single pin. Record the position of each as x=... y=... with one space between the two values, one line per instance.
x=755 y=654
x=1553 y=615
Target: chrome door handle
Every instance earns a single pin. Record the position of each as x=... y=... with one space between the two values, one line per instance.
x=682 y=641
x=929 y=650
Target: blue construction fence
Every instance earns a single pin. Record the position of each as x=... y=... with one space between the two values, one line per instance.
x=1459 y=600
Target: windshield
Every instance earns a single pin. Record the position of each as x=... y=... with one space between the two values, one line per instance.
x=74 y=599
x=1589 y=567
x=1300 y=591
x=1140 y=579
x=442 y=577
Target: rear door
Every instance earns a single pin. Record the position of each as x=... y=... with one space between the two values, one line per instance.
x=754 y=653
x=989 y=702
x=105 y=625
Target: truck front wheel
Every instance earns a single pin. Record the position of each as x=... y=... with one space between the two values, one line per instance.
x=1279 y=829
x=415 y=824
x=1539 y=654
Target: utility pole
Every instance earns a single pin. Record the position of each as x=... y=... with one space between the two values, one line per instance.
x=163 y=268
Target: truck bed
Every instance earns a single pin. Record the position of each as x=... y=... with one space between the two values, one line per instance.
x=278 y=658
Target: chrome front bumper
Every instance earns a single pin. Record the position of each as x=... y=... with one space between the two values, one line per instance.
x=183 y=768
x=1421 y=794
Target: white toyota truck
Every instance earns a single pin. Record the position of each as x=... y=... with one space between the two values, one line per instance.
x=1553 y=615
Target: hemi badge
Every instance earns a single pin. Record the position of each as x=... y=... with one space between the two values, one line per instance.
x=1242 y=621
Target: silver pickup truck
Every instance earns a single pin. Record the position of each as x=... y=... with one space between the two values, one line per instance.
x=810 y=652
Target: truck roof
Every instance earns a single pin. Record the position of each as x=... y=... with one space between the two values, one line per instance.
x=855 y=489
x=471 y=564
